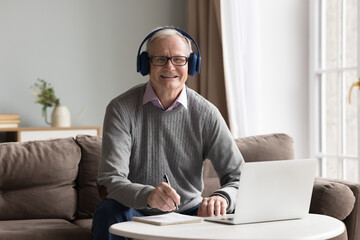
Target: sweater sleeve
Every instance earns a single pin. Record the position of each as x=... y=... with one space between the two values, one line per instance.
x=115 y=158
x=225 y=156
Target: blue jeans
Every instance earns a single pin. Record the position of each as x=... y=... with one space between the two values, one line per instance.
x=110 y=212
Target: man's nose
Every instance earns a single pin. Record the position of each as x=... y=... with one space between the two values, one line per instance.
x=169 y=64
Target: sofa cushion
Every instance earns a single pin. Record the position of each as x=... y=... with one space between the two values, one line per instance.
x=266 y=147
x=37 y=179
x=84 y=223
x=332 y=199
x=42 y=229
x=88 y=197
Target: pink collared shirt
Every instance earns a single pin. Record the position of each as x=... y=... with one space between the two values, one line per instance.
x=150 y=96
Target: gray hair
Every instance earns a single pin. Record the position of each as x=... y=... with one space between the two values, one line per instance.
x=166 y=32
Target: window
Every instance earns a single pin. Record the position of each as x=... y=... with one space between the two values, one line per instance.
x=333 y=69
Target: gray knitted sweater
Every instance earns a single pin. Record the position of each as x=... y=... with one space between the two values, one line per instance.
x=141 y=143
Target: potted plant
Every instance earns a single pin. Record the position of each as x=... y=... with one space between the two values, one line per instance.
x=45 y=95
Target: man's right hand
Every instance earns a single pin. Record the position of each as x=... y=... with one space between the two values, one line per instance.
x=163 y=198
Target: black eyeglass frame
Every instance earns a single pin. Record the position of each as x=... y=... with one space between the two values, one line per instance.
x=167 y=59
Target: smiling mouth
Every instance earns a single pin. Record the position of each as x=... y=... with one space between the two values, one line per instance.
x=164 y=76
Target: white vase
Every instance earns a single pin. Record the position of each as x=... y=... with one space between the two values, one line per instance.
x=60 y=117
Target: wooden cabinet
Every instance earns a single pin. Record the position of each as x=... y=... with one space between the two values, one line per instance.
x=44 y=133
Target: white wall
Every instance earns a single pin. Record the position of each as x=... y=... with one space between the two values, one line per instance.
x=85 y=48
x=284 y=70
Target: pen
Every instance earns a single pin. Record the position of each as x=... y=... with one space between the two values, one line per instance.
x=168 y=182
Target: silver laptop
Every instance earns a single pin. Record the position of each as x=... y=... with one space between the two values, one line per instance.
x=272 y=191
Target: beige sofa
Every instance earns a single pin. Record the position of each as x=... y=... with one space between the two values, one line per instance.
x=48 y=188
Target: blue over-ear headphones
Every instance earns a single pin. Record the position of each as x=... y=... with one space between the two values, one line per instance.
x=143 y=65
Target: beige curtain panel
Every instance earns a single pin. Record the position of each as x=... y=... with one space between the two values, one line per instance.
x=203 y=24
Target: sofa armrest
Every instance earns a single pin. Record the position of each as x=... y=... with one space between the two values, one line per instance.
x=339 y=199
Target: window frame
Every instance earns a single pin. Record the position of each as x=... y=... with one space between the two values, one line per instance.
x=317 y=85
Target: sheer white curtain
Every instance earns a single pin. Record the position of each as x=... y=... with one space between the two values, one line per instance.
x=240 y=43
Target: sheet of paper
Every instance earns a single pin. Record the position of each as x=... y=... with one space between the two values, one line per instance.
x=169 y=219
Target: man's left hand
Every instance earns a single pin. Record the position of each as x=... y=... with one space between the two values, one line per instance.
x=214 y=205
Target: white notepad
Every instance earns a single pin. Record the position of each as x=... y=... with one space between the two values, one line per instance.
x=168 y=219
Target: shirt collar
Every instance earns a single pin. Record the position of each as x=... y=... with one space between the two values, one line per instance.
x=150 y=96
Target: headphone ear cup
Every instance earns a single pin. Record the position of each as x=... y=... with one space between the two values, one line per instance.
x=192 y=62
x=198 y=63
x=144 y=67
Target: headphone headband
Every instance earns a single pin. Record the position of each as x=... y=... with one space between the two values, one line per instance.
x=143 y=58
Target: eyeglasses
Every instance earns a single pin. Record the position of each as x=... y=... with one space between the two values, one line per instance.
x=162 y=61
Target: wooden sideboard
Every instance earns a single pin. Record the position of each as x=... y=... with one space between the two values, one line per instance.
x=24 y=134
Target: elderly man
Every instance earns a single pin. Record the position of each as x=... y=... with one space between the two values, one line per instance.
x=164 y=128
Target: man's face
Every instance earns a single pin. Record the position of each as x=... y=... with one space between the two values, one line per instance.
x=168 y=79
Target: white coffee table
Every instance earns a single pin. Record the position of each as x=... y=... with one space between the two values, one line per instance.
x=313 y=226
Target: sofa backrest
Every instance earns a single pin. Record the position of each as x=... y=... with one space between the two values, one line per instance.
x=37 y=179
x=255 y=148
